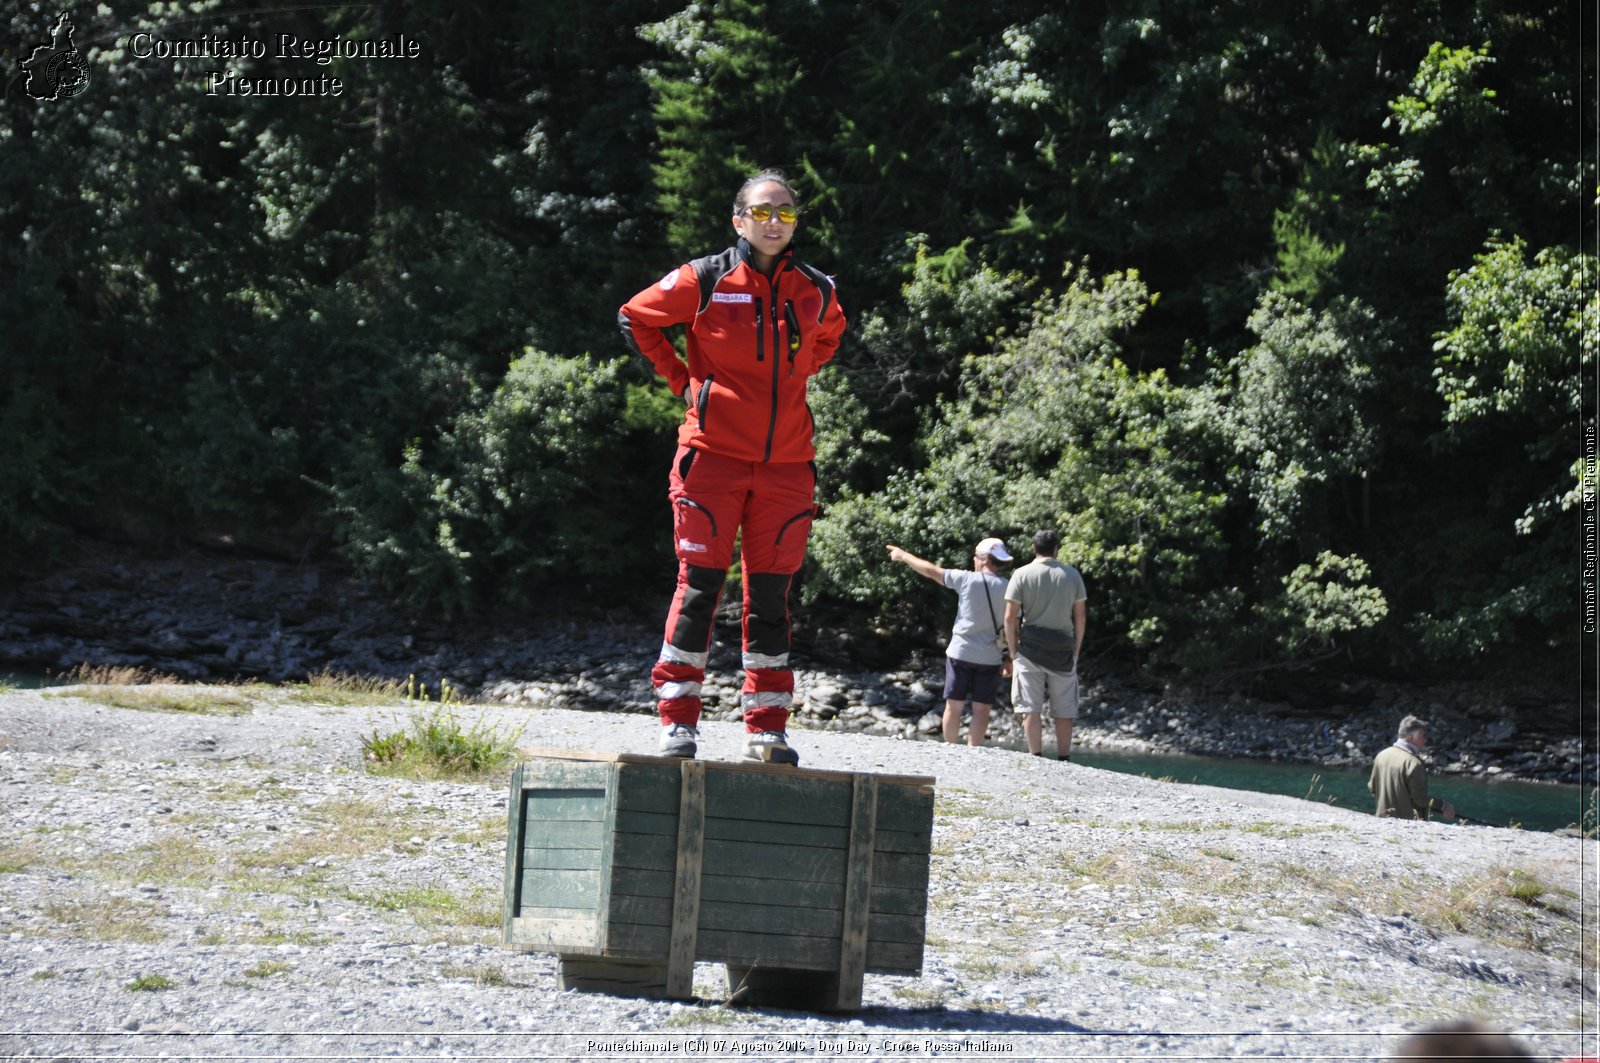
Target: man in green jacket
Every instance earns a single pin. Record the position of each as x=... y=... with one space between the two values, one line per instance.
x=1400 y=780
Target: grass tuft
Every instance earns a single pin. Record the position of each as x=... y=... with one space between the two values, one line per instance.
x=161 y=697
x=437 y=746
x=329 y=688
x=112 y=675
x=151 y=983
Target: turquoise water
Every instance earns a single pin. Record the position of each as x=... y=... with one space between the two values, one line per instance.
x=25 y=681
x=1532 y=806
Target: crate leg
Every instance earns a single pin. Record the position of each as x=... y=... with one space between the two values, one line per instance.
x=622 y=978
x=785 y=987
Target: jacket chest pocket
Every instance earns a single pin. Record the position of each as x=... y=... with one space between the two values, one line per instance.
x=792 y=334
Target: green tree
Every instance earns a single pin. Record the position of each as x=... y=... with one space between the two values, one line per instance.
x=518 y=495
x=1511 y=371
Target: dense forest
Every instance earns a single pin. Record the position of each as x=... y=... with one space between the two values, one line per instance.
x=1281 y=310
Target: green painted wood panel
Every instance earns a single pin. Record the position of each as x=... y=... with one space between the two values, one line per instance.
x=563 y=806
x=566 y=774
x=538 y=835
x=891 y=901
x=551 y=934
x=559 y=888
x=900 y=870
x=774 y=798
x=561 y=859
x=510 y=900
x=886 y=899
x=593 y=850
x=776 y=950
x=902 y=841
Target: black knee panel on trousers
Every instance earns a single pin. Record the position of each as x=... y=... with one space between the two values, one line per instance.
x=693 y=628
x=767 y=625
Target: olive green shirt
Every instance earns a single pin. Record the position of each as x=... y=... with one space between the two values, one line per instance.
x=1046 y=590
x=1399 y=781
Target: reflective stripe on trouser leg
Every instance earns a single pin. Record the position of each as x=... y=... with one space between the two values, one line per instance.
x=681 y=668
x=768 y=683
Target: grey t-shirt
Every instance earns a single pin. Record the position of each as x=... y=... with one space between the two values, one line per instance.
x=1047 y=589
x=975 y=638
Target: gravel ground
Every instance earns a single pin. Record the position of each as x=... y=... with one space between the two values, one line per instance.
x=232 y=883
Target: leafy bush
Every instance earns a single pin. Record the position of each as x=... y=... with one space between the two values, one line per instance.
x=1053 y=430
x=1295 y=412
x=540 y=484
x=1512 y=368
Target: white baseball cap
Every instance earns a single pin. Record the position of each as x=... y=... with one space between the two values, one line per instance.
x=994 y=548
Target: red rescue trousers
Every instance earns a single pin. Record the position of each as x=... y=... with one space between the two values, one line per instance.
x=768 y=506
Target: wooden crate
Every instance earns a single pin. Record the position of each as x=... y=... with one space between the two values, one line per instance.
x=633 y=867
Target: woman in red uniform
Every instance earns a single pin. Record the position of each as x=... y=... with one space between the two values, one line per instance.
x=759 y=324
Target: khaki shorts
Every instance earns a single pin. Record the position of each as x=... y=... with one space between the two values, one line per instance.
x=1034 y=688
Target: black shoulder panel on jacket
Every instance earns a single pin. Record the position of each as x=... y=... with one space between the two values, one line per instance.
x=711 y=269
x=822 y=281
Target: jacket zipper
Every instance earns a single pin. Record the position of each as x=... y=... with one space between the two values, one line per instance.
x=703 y=400
x=761 y=333
x=794 y=333
x=772 y=422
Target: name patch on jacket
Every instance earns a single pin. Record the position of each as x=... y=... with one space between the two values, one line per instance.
x=732 y=297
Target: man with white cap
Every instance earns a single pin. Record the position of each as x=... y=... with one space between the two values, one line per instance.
x=973 y=658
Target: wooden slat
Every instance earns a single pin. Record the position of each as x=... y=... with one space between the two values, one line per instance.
x=902 y=841
x=887 y=900
x=773 y=950
x=857 y=893
x=779 y=799
x=775 y=891
x=561 y=859
x=765 y=917
x=749 y=767
x=686 y=885
x=608 y=852
x=906 y=808
x=511 y=898
x=558 y=888
x=551 y=933
x=633 y=821
x=545 y=774
x=649 y=852
x=650 y=787
x=642 y=882
x=773 y=860
x=901 y=870
x=721 y=828
x=564 y=805
x=536 y=835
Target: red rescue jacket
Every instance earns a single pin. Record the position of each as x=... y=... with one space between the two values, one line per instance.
x=752 y=344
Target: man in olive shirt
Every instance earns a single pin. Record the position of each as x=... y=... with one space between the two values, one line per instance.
x=1045 y=614
x=1400 y=780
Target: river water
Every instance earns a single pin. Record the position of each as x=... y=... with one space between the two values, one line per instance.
x=1529 y=805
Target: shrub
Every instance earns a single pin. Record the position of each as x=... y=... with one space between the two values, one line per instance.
x=542 y=484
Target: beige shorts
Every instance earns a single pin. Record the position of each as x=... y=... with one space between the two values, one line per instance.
x=1034 y=688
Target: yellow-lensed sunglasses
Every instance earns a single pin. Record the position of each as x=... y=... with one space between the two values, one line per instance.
x=787 y=213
